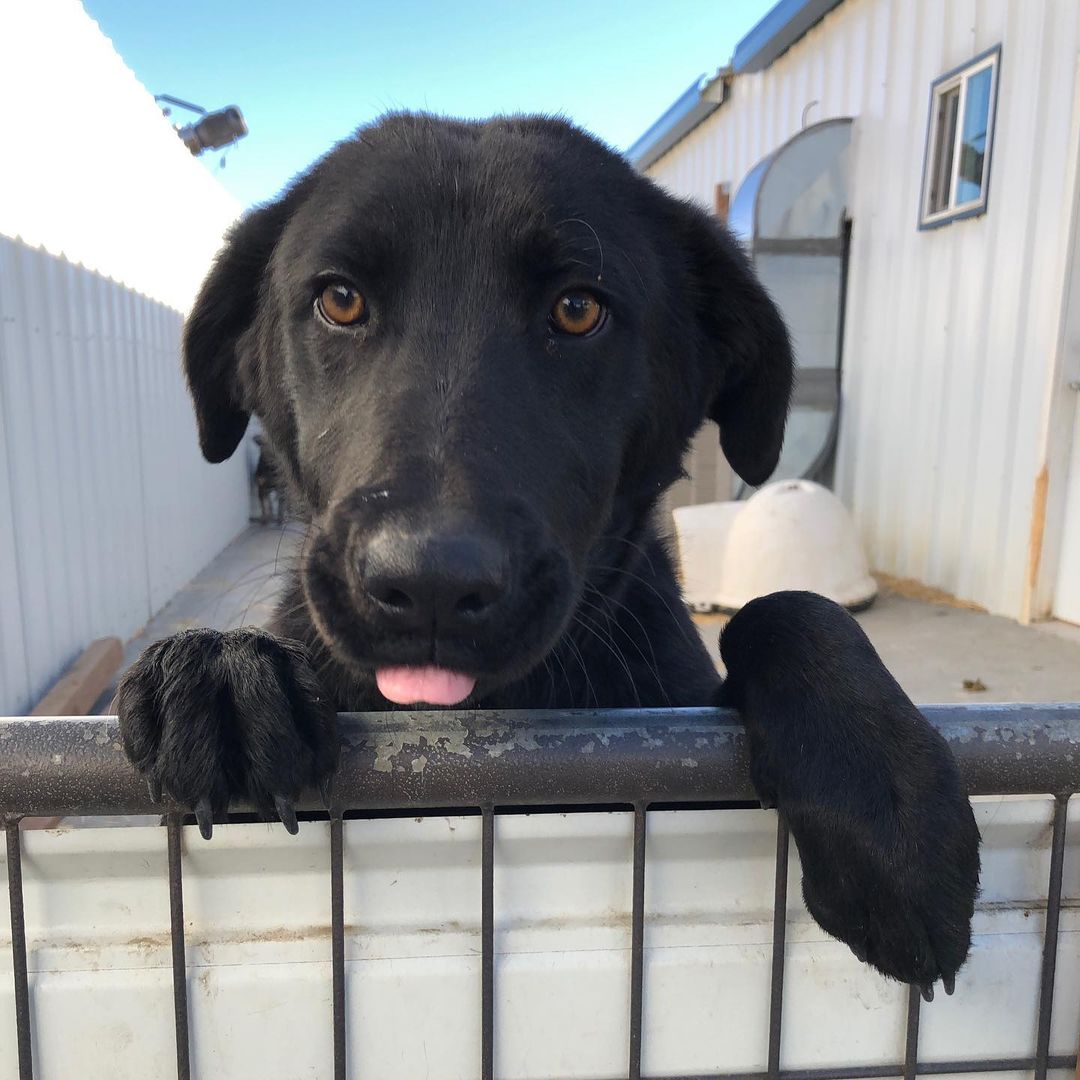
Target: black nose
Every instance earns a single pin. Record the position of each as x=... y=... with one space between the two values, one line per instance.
x=445 y=581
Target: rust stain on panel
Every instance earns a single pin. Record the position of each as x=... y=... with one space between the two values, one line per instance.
x=1038 y=528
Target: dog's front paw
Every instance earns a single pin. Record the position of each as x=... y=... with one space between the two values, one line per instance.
x=894 y=879
x=869 y=789
x=207 y=716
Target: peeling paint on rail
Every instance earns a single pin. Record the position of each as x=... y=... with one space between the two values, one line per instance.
x=402 y=760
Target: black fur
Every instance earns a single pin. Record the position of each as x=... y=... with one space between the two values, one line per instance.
x=267 y=486
x=872 y=795
x=509 y=477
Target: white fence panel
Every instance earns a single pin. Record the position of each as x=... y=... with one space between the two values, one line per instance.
x=106 y=507
x=257 y=922
x=14 y=680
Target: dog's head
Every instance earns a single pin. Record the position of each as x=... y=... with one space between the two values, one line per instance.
x=479 y=351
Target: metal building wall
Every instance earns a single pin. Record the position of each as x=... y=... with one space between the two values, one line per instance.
x=106 y=507
x=949 y=333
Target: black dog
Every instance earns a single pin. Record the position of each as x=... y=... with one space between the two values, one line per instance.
x=479 y=352
x=267 y=486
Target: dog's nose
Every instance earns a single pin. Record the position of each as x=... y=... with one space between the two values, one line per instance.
x=448 y=581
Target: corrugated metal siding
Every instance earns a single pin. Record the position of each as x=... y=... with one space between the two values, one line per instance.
x=106 y=508
x=950 y=333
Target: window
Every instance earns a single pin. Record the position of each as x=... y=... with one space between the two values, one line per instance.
x=958 y=141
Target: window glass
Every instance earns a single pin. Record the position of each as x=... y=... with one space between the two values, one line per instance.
x=973 y=137
x=956 y=171
x=941 y=180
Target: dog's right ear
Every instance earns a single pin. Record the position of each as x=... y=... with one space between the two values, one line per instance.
x=745 y=363
x=223 y=310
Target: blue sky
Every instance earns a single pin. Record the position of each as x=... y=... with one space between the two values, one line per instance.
x=306 y=75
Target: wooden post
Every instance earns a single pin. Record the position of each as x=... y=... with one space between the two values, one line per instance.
x=75 y=692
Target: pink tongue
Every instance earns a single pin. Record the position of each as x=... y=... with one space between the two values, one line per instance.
x=423 y=685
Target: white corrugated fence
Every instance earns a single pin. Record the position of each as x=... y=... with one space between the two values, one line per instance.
x=106 y=506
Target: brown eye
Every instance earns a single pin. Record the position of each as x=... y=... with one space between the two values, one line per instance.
x=577 y=312
x=342 y=304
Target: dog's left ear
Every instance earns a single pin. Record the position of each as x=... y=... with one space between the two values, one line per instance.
x=743 y=349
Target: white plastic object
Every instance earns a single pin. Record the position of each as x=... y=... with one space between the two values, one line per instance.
x=792 y=534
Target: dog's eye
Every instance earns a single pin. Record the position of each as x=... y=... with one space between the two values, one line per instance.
x=342 y=304
x=577 y=312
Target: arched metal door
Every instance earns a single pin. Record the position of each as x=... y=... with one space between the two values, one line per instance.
x=791 y=213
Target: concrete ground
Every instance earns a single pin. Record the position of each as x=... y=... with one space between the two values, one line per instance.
x=238 y=588
x=934 y=648
x=931 y=647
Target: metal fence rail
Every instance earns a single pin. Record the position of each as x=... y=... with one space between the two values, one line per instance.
x=494 y=763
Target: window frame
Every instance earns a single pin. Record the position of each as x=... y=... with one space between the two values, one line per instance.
x=958 y=78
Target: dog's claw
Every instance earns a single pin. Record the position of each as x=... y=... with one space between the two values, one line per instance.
x=325 y=791
x=948 y=983
x=859 y=954
x=204 y=815
x=287 y=814
x=927 y=991
x=153 y=785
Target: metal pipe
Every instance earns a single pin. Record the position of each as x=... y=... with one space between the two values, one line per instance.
x=779 y=944
x=911 y=1038
x=637 y=942
x=18 y=952
x=487 y=945
x=1050 y=939
x=881 y=1072
x=179 y=951
x=337 y=946
x=68 y=766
